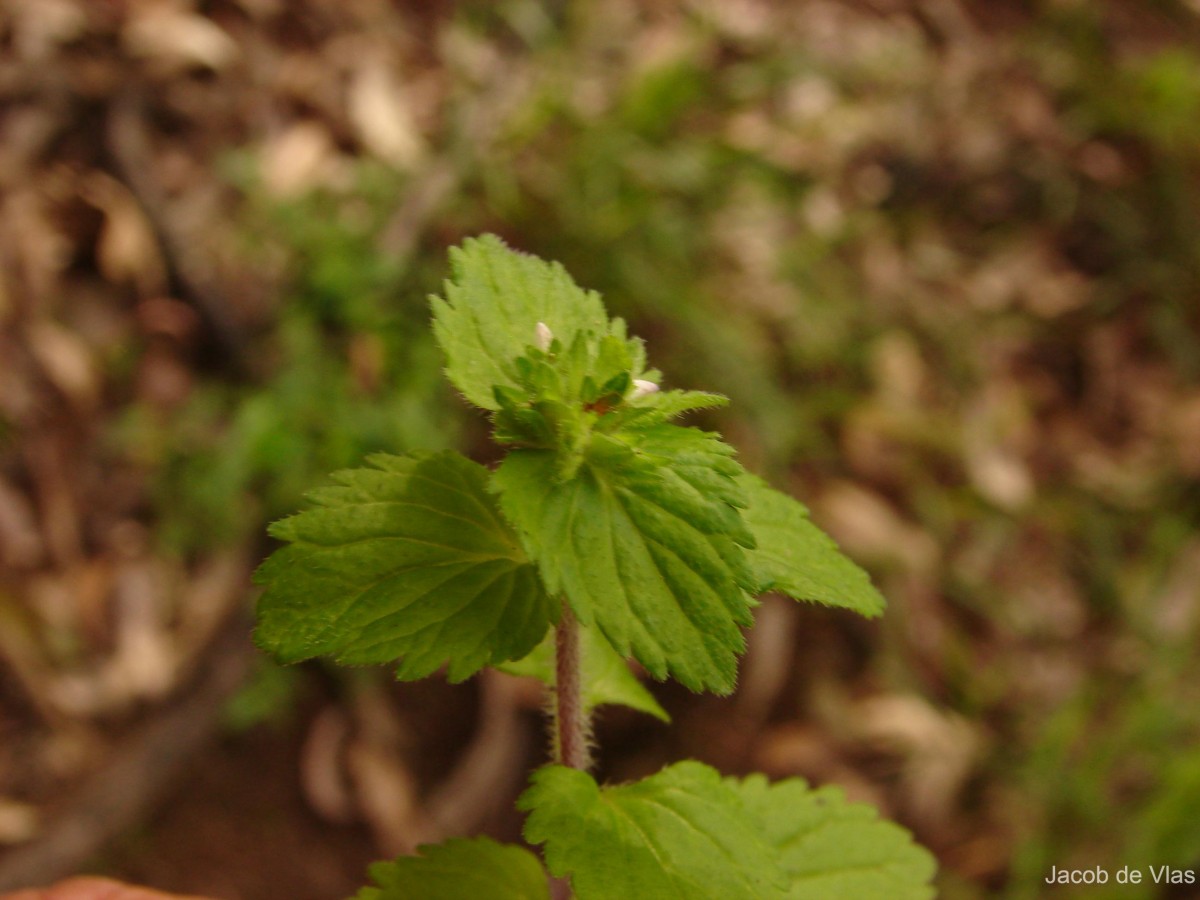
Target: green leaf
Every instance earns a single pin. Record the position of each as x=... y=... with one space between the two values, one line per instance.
x=661 y=406
x=796 y=558
x=645 y=541
x=460 y=869
x=834 y=850
x=680 y=833
x=406 y=560
x=489 y=318
x=606 y=674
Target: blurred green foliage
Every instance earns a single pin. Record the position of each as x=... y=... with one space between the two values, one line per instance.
x=347 y=368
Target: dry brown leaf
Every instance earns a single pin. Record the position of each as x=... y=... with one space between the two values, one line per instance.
x=899 y=371
x=177 y=38
x=1042 y=597
x=40 y=251
x=1030 y=112
x=866 y=525
x=144 y=664
x=1185 y=428
x=1056 y=292
x=41 y=26
x=1001 y=276
x=385 y=789
x=768 y=661
x=885 y=268
x=206 y=601
x=51 y=459
x=66 y=360
x=938 y=749
x=797 y=750
x=21 y=402
x=381 y=114
x=999 y=475
x=997 y=432
x=90 y=584
x=824 y=212
x=298 y=159
x=27 y=132
x=744 y=20
x=169 y=318
x=163 y=380
x=24 y=658
x=18 y=821
x=322 y=767
x=387 y=795
x=126 y=249
x=263 y=9
x=488 y=769
x=1047 y=677
x=1176 y=612
x=1104 y=163
x=20 y=543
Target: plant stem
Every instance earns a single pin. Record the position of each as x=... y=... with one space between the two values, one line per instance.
x=570 y=717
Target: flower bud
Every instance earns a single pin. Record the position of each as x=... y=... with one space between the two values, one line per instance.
x=544 y=336
x=642 y=387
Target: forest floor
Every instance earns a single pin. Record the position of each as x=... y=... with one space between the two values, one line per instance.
x=941 y=255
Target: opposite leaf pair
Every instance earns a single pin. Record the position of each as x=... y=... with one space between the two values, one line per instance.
x=684 y=832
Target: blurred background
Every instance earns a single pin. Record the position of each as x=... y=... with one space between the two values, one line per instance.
x=944 y=256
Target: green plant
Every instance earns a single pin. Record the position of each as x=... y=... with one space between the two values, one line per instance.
x=607 y=532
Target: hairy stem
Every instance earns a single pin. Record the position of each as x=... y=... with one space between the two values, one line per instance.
x=570 y=717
